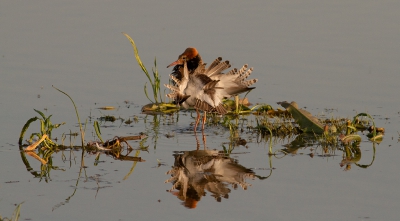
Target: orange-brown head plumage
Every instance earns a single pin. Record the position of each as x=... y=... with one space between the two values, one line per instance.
x=188 y=54
x=192 y=58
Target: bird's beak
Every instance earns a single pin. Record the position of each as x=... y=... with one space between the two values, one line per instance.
x=179 y=61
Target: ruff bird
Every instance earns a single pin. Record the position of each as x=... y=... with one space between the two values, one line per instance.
x=204 y=88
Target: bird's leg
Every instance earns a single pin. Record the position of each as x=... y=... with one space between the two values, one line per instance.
x=197 y=141
x=204 y=120
x=204 y=140
x=197 y=120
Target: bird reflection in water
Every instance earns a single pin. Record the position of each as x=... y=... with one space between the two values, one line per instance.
x=197 y=171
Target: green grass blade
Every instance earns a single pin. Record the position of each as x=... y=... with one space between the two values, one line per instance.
x=155 y=83
x=139 y=61
x=270 y=142
x=97 y=129
x=47 y=121
x=145 y=92
x=77 y=114
x=42 y=127
x=25 y=128
x=41 y=114
x=49 y=126
x=157 y=79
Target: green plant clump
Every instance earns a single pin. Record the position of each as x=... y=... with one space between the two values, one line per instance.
x=155 y=83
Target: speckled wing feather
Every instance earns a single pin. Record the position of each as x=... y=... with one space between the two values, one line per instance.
x=172 y=87
x=218 y=69
x=213 y=64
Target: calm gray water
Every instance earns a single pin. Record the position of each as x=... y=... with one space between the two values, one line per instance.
x=341 y=55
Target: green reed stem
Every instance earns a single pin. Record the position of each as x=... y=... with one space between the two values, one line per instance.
x=155 y=84
x=77 y=115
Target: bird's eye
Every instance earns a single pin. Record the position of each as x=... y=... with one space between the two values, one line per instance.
x=184 y=57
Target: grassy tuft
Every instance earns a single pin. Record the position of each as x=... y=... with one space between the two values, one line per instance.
x=155 y=82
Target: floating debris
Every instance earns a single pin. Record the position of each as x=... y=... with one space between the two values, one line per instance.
x=108 y=118
x=107 y=108
x=307 y=122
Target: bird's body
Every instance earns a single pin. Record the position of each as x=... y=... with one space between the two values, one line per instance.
x=205 y=88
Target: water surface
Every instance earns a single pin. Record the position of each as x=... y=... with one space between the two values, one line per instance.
x=341 y=55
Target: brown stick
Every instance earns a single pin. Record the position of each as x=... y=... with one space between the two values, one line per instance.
x=34 y=145
x=139 y=137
